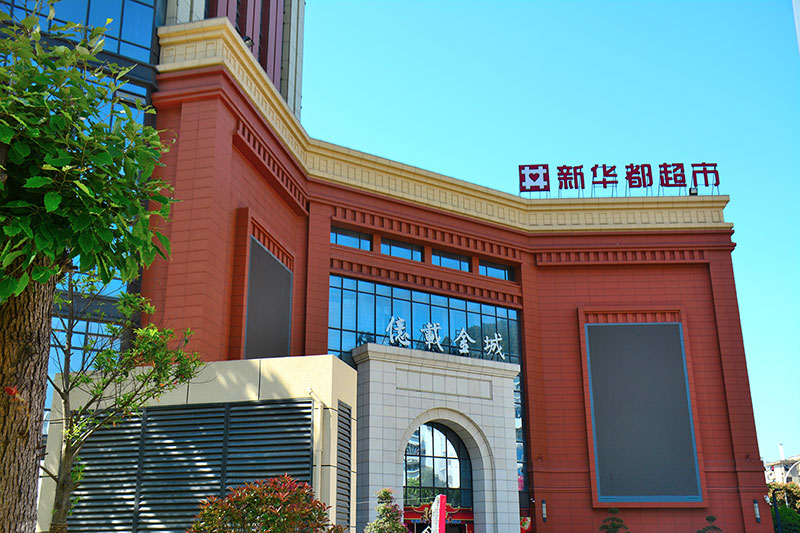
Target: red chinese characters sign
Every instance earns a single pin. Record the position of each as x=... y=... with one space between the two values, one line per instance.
x=536 y=178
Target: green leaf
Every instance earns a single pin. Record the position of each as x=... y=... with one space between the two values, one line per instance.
x=43 y=242
x=37 y=181
x=41 y=273
x=8 y=258
x=6 y=133
x=101 y=158
x=12 y=230
x=63 y=158
x=21 y=284
x=84 y=188
x=7 y=286
x=164 y=240
x=51 y=201
x=18 y=152
x=86 y=242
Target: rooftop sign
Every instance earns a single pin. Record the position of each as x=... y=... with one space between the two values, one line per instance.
x=536 y=178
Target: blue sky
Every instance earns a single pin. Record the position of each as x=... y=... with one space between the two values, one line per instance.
x=471 y=89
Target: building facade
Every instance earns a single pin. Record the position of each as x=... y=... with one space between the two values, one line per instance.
x=537 y=361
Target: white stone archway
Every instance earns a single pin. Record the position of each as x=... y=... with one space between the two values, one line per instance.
x=400 y=389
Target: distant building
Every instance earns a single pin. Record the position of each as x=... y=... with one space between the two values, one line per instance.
x=784 y=470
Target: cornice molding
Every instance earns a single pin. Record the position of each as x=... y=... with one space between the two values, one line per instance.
x=211 y=42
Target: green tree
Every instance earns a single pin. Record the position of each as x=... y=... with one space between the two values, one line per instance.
x=390 y=518
x=613 y=523
x=75 y=182
x=277 y=505
x=106 y=376
x=710 y=527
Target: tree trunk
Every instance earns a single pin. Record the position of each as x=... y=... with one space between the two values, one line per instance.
x=64 y=488
x=24 y=354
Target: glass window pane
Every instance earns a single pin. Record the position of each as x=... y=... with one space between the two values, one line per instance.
x=383 y=290
x=439 y=472
x=426 y=440
x=335 y=308
x=404 y=294
x=402 y=309
x=412 y=471
x=412 y=448
x=71 y=10
x=426 y=471
x=137 y=26
x=349 y=310
x=349 y=283
x=106 y=9
x=366 y=286
x=135 y=52
x=334 y=340
x=383 y=314
x=439 y=446
x=366 y=312
x=348 y=341
x=453 y=474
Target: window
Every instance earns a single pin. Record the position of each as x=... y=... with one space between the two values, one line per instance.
x=449 y=260
x=401 y=249
x=436 y=462
x=496 y=270
x=361 y=311
x=353 y=239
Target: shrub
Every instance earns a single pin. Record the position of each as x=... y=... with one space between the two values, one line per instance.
x=275 y=505
x=390 y=518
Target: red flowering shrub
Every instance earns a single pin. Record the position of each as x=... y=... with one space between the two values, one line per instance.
x=276 y=505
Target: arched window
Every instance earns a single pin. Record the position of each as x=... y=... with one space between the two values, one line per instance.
x=437 y=462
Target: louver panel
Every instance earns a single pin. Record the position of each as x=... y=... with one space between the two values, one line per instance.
x=269 y=440
x=150 y=473
x=107 y=494
x=343 y=465
x=181 y=464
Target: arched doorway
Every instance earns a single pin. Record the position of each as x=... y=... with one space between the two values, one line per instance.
x=436 y=461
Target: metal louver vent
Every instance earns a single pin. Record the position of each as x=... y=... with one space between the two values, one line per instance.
x=343 y=465
x=150 y=473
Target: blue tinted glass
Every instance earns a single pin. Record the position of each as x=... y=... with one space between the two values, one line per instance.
x=71 y=10
x=137 y=26
x=348 y=341
x=420 y=314
x=334 y=340
x=383 y=290
x=366 y=286
x=455 y=303
x=385 y=248
x=366 y=312
x=439 y=300
x=349 y=311
x=137 y=53
x=487 y=309
x=458 y=320
x=335 y=308
x=99 y=11
x=422 y=297
x=401 y=293
x=512 y=314
x=502 y=312
x=474 y=307
x=349 y=283
x=402 y=309
x=439 y=315
x=336 y=281
x=365 y=244
x=383 y=313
